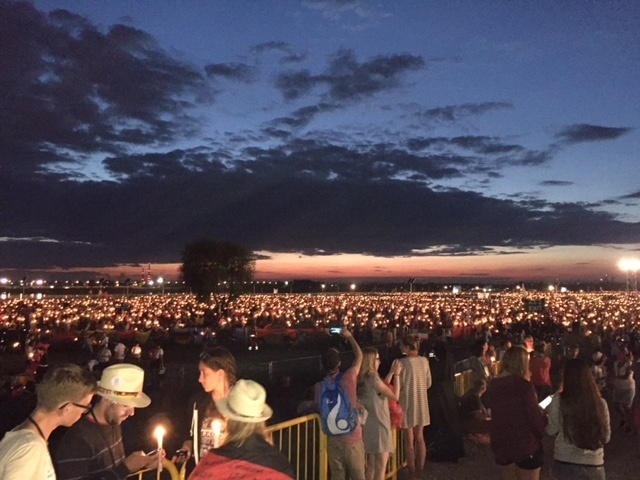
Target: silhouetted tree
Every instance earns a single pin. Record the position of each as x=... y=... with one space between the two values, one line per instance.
x=208 y=263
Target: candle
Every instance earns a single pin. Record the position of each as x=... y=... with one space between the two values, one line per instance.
x=159 y=434
x=217 y=428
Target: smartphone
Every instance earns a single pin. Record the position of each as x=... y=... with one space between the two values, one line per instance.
x=545 y=403
x=181 y=453
x=432 y=355
x=152 y=452
x=335 y=330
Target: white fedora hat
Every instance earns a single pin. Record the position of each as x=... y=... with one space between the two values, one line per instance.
x=123 y=384
x=246 y=403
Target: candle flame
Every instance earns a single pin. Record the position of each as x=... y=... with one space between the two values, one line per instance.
x=159 y=432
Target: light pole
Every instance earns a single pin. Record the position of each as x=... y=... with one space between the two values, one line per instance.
x=161 y=283
x=630 y=265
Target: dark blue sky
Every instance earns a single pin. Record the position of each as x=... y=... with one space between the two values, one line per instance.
x=466 y=139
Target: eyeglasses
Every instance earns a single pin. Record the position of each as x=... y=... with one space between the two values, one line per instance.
x=86 y=408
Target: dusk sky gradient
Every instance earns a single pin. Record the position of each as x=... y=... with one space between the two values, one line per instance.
x=468 y=140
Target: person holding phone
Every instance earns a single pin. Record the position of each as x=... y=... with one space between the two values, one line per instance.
x=517 y=421
x=579 y=420
x=93 y=447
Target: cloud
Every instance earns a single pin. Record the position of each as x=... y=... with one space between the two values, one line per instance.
x=67 y=89
x=232 y=71
x=302 y=196
x=555 y=183
x=590 y=133
x=452 y=113
x=303 y=116
x=632 y=195
x=347 y=79
x=272 y=46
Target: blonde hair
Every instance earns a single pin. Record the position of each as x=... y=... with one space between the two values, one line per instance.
x=369 y=367
x=64 y=383
x=516 y=361
x=238 y=432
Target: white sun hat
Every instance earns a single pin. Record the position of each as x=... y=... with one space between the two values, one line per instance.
x=122 y=384
x=246 y=403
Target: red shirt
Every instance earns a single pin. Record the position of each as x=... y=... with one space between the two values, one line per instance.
x=517 y=422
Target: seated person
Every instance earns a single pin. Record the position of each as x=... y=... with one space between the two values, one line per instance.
x=473 y=413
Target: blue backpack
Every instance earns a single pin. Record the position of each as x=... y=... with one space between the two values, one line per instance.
x=336 y=413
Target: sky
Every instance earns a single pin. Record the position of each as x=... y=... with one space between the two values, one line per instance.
x=463 y=140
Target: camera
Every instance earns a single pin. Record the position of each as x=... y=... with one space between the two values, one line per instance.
x=335 y=330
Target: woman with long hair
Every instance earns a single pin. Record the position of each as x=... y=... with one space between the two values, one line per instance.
x=245 y=453
x=624 y=387
x=415 y=379
x=579 y=419
x=518 y=423
x=374 y=395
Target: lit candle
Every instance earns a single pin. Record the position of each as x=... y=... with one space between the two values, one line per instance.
x=159 y=434
x=217 y=428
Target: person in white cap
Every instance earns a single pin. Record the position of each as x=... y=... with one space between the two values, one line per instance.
x=92 y=448
x=245 y=453
x=63 y=396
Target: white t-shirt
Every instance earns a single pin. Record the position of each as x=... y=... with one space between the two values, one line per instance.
x=24 y=455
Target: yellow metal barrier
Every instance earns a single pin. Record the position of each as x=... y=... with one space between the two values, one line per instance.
x=304 y=444
x=168 y=470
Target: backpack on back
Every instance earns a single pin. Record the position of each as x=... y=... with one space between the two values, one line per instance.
x=336 y=413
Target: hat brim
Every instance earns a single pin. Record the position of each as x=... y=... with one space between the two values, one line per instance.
x=223 y=408
x=142 y=400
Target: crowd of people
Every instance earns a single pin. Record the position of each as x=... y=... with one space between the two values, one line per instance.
x=560 y=352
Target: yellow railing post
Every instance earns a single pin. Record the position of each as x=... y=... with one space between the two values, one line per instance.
x=323 y=457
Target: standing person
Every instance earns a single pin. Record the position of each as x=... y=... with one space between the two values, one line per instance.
x=624 y=387
x=63 y=396
x=599 y=371
x=374 y=395
x=579 y=419
x=218 y=373
x=540 y=367
x=92 y=448
x=245 y=453
x=346 y=452
x=415 y=379
x=119 y=351
x=478 y=365
x=517 y=424
x=136 y=353
x=156 y=364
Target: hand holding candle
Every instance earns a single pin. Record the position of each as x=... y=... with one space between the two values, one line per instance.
x=159 y=434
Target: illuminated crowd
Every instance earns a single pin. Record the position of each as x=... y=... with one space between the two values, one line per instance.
x=597 y=312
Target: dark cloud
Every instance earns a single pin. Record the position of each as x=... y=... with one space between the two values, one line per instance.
x=347 y=79
x=272 y=46
x=303 y=116
x=452 y=113
x=67 y=89
x=632 y=195
x=232 y=71
x=305 y=196
x=590 y=133
x=555 y=183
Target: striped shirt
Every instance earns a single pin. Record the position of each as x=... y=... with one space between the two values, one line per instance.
x=415 y=379
x=91 y=451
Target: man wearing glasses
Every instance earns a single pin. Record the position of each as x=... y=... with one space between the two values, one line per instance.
x=63 y=396
x=92 y=448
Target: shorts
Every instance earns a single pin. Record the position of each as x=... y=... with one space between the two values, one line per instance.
x=532 y=462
